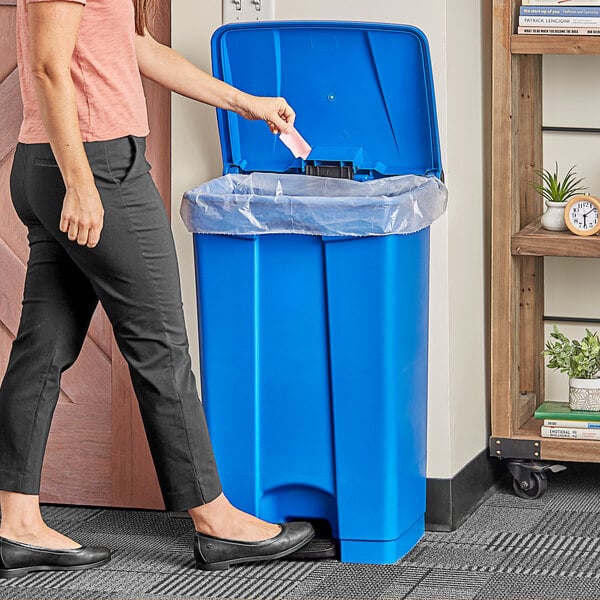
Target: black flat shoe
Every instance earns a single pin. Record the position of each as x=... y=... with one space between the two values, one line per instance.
x=213 y=554
x=18 y=559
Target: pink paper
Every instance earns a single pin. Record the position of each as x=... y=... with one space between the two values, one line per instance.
x=296 y=143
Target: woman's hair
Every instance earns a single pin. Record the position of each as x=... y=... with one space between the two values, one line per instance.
x=145 y=10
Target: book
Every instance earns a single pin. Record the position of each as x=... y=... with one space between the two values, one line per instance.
x=573 y=433
x=558 y=30
x=562 y=410
x=561 y=2
x=572 y=423
x=566 y=22
x=560 y=11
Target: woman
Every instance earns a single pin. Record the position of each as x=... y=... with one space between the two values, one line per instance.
x=97 y=231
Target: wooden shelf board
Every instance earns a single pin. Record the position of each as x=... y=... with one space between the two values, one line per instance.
x=560 y=449
x=530 y=429
x=555 y=44
x=533 y=240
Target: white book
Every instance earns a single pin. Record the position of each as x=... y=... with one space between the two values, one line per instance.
x=558 y=31
x=570 y=433
x=572 y=424
x=566 y=22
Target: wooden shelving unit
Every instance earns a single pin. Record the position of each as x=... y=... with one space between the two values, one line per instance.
x=519 y=244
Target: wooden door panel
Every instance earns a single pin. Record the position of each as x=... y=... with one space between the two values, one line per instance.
x=8 y=59
x=101 y=332
x=11 y=291
x=11 y=110
x=77 y=466
x=14 y=233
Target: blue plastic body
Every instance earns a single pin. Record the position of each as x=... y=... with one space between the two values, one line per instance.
x=314 y=379
x=314 y=349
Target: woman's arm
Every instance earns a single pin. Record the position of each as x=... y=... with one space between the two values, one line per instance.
x=168 y=68
x=53 y=28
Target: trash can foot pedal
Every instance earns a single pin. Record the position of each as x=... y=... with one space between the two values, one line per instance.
x=316 y=549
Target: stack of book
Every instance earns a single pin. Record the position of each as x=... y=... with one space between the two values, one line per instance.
x=559 y=17
x=562 y=422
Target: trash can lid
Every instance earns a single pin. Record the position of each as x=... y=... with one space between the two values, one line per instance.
x=363 y=95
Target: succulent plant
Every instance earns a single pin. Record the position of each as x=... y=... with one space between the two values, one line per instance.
x=555 y=189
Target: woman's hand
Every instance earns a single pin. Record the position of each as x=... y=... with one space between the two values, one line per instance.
x=276 y=112
x=82 y=215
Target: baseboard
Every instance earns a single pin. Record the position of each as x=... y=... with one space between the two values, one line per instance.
x=451 y=501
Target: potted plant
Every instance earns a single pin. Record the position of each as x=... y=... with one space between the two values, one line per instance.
x=581 y=361
x=556 y=193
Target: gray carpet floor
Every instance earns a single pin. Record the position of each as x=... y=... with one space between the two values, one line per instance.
x=508 y=548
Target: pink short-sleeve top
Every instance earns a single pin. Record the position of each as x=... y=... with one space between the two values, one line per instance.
x=110 y=96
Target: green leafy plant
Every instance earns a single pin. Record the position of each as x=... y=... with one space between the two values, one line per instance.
x=579 y=359
x=555 y=189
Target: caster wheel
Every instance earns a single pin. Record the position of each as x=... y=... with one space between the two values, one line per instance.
x=538 y=487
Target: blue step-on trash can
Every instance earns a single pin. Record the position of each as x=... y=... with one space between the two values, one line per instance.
x=312 y=280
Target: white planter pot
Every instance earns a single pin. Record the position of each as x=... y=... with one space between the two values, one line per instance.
x=554 y=217
x=584 y=394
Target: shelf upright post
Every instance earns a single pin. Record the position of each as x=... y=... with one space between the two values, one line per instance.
x=505 y=221
x=527 y=159
x=517 y=283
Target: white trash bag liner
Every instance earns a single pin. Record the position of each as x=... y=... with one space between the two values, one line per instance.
x=261 y=203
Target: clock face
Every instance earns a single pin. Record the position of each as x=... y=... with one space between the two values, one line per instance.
x=583 y=215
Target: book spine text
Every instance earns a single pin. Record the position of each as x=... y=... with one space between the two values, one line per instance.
x=572 y=424
x=560 y=11
x=559 y=30
x=570 y=433
x=567 y=22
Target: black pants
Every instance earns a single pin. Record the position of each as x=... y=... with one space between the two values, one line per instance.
x=133 y=272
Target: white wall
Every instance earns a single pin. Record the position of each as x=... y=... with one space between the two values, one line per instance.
x=467 y=164
x=572 y=284
x=457 y=390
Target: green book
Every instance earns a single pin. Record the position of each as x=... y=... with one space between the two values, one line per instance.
x=561 y=410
